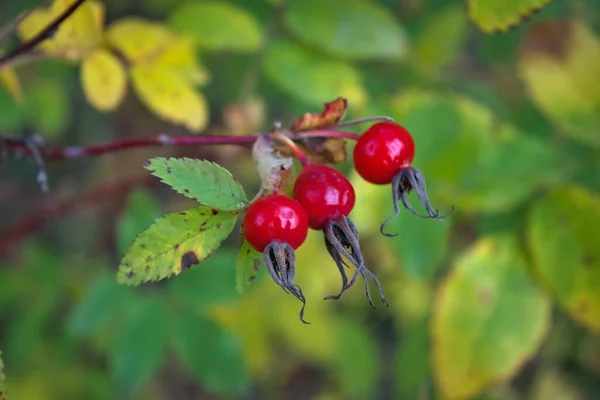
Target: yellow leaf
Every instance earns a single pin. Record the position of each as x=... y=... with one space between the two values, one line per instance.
x=170 y=96
x=499 y=15
x=103 y=79
x=33 y=24
x=9 y=78
x=138 y=40
x=180 y=57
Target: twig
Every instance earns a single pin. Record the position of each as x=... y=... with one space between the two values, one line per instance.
x=31 y=222
x=72 y=152
x=44 y=34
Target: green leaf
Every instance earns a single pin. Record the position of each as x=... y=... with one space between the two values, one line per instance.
x=218 y=26
x=355 y=29
x=101 y=304
x=204 y=181
x=141 y=345
x=489 y=317
x=141 y=211
x=248 y=263
x=2 y=388
x=561 y=77
x=12 y=116
x=356 y=363
x=413 y=369
x=48 y=107
x=175 y=243
x=563 y=241
x=213 y=355
x=499 y=15
x=295 y=68
x=212 y=284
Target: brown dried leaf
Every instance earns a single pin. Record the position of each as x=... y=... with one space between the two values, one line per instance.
x=334 y=111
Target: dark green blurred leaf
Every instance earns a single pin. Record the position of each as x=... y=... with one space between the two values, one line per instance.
x=413 y=370
x=218 y=26
x=248 y=263
x=212 y=283
x=490 y=316
x=213 y=355
x=308 y=76
x=564 y=243
x=48 y=107
x=356 y=358
x=140 y=213
x=356 y=29
x=12 y=116
x=140 y=347
x=103 y=301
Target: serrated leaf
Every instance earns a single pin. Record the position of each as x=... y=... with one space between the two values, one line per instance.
x=248 y=263
x=356 y=29
x=213 y=355
x=204 y=181
x=141 y=211
x=489 y=317
x=218 y=26
x=175 y=243
x=559 y=63
x=295 y=68
x=103 y=80
x=499 y=15
x=141 y=345
x=563 y=240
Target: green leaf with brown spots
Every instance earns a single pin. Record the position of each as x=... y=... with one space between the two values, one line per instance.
x=175 y=243
x=249 y=262
x=489 y=317
x=204 y=181
x=499 y=15
x=2 y=388
x=563 y=240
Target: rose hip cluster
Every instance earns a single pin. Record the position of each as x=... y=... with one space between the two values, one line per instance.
x=277 y=225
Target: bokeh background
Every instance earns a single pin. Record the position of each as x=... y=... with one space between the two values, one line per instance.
x=502 y=301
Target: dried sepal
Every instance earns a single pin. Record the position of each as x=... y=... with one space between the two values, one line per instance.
x=341 y=241
x=407 y=180
x=280 y=260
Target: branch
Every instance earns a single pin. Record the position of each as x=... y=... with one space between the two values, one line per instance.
x=44 y=34
x=33 y=221
x=72 y=152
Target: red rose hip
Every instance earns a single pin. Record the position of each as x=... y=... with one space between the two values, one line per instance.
x=325 y=194
x=383 y=150
x=275 y=218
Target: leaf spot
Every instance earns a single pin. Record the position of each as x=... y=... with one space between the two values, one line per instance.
x=189 y=259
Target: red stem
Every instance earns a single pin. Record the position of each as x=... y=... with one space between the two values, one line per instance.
x=31 y=222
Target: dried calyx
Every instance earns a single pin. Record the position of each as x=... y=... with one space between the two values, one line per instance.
x=408 y=179
x=341 y=240
x=280 y=260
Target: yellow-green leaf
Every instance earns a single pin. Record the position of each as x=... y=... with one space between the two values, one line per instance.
x=217 y=25
x=137 y=39
x=564 y=243
x=180 y=58
x=175 y=243
x=355 y=29
x=170 y=96
x=248 y=263
x=489 y=317
x=204 y=181
x=311 y=77
x=103 y=79
x=499 y=15
x=559 y=63
x=31 y=25
x=10 y=80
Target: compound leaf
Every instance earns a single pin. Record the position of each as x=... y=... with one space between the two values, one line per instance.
x=499 y=15
x=248 y=263
x=204 y=181
x=175 y=243
x=563 y=242
x=490 y=316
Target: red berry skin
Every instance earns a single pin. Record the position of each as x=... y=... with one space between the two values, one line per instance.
x=383 y=150
x=325 y=193
x=275 y=218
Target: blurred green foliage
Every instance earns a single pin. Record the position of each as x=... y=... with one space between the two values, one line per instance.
x=502 y=301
